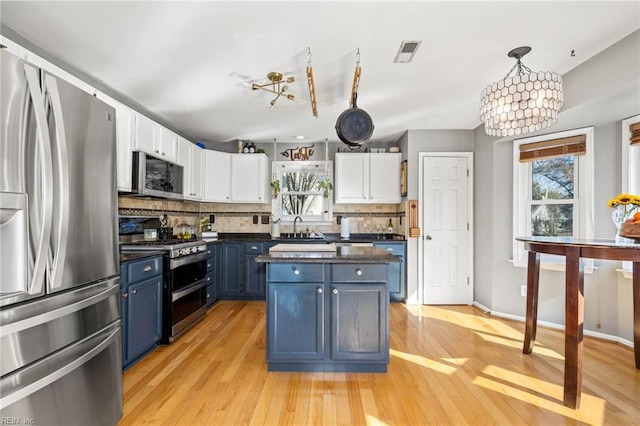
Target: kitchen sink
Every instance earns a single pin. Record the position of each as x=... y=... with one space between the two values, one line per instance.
x=300 y=236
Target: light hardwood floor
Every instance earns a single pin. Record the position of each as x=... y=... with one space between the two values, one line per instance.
x=449 y=365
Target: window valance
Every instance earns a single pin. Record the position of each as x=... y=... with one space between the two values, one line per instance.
x=572 y=145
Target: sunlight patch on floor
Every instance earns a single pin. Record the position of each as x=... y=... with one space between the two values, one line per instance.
x=541 y=394
x=424 y=362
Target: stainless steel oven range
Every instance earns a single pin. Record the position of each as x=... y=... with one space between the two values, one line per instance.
x=185 y=294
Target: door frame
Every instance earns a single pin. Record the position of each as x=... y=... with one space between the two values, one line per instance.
x=421 y=157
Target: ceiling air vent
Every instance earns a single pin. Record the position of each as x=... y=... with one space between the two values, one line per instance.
x=407 y=50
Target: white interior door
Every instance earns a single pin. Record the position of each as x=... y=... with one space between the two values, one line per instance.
x=446 y=221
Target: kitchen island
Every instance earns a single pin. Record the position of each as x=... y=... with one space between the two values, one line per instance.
x=327 y=308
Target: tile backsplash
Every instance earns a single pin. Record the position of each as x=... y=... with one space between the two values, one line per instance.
x=365 y=218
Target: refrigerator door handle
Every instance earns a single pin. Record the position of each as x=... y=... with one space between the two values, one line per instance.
x=75 y=301
x=27 y=382
x=40 y=215
x=62 y=178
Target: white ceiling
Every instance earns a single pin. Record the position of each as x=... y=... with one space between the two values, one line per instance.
x=192 y=63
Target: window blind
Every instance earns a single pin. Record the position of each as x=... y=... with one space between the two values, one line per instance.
x=572 y=145
x=634 y=129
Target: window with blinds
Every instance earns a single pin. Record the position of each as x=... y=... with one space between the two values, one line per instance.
x=552 y=148
x=634 y=129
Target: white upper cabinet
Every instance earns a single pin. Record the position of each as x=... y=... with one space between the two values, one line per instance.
x=124 y=141
x=155 y=140
x=190 y=157
x=236 y=178
x=217 y=176
x=367 y=178
x=249 y=178
x=384 y=177
x=145 y=133
x=167 y=144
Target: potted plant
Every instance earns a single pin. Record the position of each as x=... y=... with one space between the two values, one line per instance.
x=326 y=186
x=275 y=188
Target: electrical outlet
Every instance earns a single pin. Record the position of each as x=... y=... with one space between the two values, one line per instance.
x=339 y=220
x=523 y=290
x=265 y=219
x=255 y=219
x=212 y=218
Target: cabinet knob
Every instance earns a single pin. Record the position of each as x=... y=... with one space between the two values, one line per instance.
x=428 y=238
x=134 y=291
x=296 y=271
x=164 y=153
x=254 y=248
x=157 y=152
x=335 y=291
x=208 y=296
x=389 y=249
x=319 y=290
x=147 y=268
x=208 y=278
x=208 y=265
x=358 y=271
x=125 y=295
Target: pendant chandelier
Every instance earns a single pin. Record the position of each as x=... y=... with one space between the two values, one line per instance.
x=524 y=103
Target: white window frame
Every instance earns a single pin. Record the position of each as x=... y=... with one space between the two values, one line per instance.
x=281 y=167
x=630 y=167
x=583 y=223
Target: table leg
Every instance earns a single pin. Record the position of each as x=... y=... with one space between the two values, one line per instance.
x=574 y=322
x=533 y=277
x=636 y=312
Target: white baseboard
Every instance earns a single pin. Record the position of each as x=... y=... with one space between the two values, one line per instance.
x=602 y=336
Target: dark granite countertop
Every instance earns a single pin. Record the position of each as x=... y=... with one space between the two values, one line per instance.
x=137 y=255
x=332 y=237
x=345 y=254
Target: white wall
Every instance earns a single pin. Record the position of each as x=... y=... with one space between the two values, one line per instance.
x=596 y=94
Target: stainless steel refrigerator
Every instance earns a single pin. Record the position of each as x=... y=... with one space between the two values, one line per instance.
x=60 y=338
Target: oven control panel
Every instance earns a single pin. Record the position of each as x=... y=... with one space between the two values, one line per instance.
x=190 y=250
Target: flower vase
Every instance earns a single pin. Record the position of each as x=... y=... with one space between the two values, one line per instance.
x=618 y=219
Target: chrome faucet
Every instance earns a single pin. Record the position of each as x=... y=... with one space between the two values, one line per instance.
x=295 y=221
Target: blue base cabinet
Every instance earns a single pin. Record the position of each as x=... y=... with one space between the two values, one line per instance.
x=397 y=272
x=327 y=317
x=141 y=303
x=212 y=290
x=240 y=276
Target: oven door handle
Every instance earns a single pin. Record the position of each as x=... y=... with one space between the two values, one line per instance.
x=187 y=260
x=192 y=288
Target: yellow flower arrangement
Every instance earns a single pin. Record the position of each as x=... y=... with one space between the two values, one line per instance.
x=626 y=205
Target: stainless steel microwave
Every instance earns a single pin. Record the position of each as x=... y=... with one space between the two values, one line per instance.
x=155 y=177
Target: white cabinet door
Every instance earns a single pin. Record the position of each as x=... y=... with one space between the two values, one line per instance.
x=190 y=158
x=352 y=178
x=248 y=178
x=384 y=178
x=145 y=133
x=167 y=144
x=124 y=141
x=217 y=176
x=197 y=156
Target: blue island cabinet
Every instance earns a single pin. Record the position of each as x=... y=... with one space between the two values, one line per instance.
x=327 y=317
x=141 y=295
x=396 y=274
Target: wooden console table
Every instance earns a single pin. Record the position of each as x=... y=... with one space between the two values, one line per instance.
x=574 y=249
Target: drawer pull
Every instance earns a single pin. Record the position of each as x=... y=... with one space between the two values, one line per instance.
x=358 y=271
x=134 y=291
x=319 y=290
x=208 y=251
x=208 y=265
x=335 y=291
x=254 y=248
x=296 y=271
x=147 y=268
x=390 y=249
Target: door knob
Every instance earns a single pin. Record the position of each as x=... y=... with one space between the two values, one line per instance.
x=428 y=238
